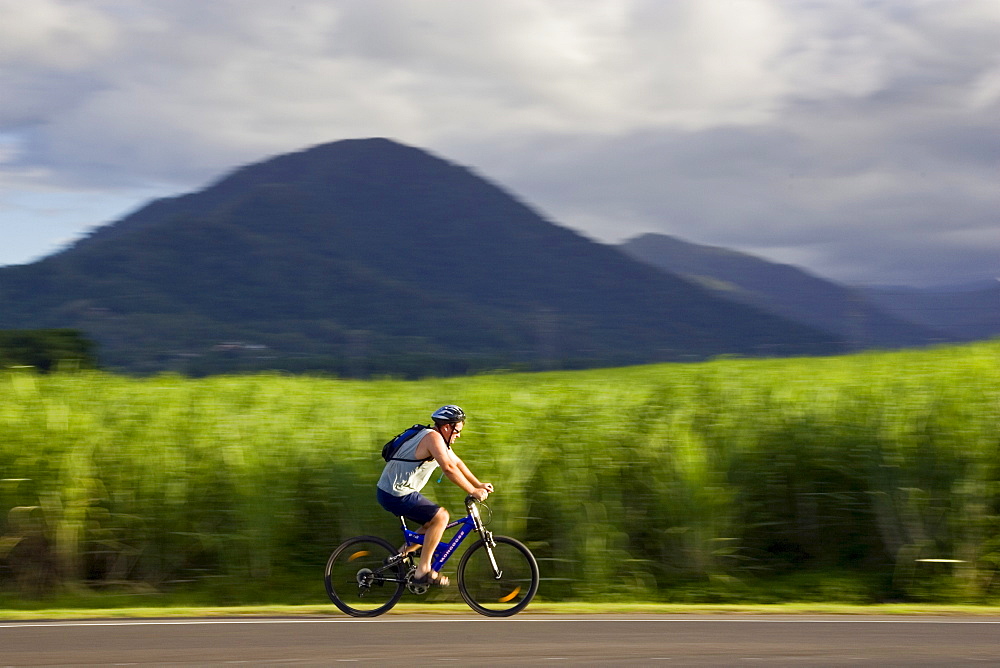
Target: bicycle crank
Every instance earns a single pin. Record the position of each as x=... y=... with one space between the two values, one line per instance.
x=418 y=589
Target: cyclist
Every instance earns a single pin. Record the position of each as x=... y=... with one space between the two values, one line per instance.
x=409 y=470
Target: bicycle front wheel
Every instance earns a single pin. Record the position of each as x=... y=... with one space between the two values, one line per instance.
x=504 y=596
x=359 y=580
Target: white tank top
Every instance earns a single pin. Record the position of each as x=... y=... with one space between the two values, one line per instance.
x=400 y=477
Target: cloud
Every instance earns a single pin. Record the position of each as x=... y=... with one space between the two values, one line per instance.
x=53 y=35
x=200 y=84
x=815 y=130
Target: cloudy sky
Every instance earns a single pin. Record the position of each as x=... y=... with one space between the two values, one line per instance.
x=859 y=139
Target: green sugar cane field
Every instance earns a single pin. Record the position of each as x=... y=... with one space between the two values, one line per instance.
x=864 y=479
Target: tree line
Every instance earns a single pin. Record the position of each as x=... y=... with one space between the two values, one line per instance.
x=46 y=349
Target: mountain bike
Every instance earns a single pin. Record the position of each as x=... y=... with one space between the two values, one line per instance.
x=497 y=576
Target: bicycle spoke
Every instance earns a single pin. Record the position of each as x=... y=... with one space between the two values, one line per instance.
x=492 y=596
x=358 y=579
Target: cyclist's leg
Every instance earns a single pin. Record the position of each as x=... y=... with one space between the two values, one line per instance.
x=433 y=530
x=432 y=517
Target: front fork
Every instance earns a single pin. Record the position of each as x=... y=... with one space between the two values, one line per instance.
x=487 y=536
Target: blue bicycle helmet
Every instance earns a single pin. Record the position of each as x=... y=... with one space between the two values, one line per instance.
x=449 y=414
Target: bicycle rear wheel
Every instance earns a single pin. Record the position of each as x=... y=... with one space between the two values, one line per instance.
x=358 y=579
x=507 y=595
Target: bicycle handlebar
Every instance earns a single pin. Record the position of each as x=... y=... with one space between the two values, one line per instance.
x=469 y=500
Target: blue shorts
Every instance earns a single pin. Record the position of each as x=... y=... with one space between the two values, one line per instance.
x=414 y=506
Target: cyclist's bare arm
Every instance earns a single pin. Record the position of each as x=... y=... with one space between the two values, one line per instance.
x=433 y=445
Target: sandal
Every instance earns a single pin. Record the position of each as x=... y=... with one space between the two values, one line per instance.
x=426 y=579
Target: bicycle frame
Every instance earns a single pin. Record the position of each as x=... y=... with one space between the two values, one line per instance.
x=366 y=576
x=466 y=525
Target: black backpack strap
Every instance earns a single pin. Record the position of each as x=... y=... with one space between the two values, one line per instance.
x=419 y=427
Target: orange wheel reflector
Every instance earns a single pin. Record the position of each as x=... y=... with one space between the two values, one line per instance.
x=510 y=596
x=358 y=555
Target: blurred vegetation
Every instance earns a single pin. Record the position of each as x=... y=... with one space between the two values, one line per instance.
x=865 y=478
x=46 y=349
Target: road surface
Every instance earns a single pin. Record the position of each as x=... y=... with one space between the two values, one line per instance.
x=524 y=640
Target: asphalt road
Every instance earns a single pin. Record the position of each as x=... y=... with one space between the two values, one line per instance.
x=524 y=640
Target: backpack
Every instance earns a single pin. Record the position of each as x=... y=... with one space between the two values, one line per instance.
x=393 y=444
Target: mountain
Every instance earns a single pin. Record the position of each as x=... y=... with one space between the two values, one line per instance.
x=967 y=312
x=784 y=290
x=369 y=256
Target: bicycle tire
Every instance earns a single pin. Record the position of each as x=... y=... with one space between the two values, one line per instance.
x=509 y=595
x=357 y=579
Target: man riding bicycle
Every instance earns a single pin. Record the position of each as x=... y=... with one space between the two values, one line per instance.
x=409 y=470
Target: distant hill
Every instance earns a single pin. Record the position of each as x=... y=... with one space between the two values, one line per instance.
x=784 y=290
x=367 y=256
x=966 y=312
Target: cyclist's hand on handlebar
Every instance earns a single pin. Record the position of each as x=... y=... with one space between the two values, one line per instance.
x=488 y=486
x=479 y=494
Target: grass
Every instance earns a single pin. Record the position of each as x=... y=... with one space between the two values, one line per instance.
x=685 y=482
x=536 y=608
